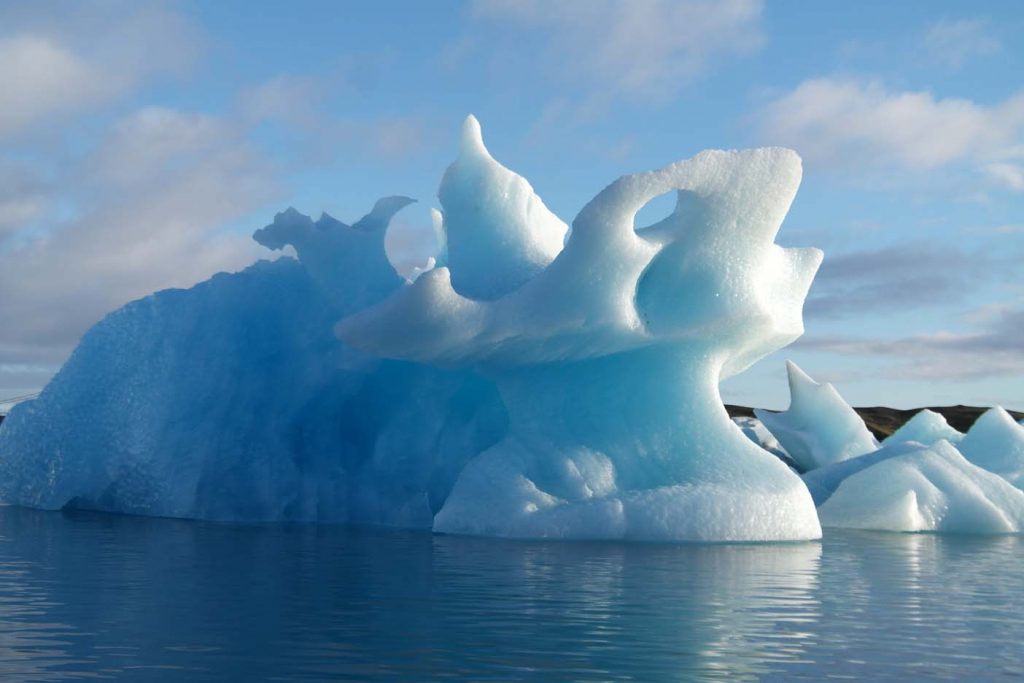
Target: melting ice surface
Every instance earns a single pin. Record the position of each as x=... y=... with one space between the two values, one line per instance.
x=532 y=380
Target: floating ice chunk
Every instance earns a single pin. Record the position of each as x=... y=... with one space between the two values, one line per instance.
x=926 y=489
x=496 y=233
x=926 y=427
x=608 y=361
x=819 y=428
x=823 y=481
x=996 y=443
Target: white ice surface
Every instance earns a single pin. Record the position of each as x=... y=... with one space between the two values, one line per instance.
x=927 y=489
x=609 y=358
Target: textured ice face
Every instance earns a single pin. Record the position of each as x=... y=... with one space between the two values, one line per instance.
x=490 y=210
x=233 y=400
x=819 y=428
x=926 y=427
x=926 y=489
x=708 y=277
x=996 y=443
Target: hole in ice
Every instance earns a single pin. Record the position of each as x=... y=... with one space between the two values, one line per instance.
x=655 y=211
x=410 y=240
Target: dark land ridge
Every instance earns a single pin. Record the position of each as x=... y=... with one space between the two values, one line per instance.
x=884 y=421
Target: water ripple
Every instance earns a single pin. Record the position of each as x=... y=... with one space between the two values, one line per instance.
x=119 y=598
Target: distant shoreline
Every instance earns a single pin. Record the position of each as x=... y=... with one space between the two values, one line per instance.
x=884 y=421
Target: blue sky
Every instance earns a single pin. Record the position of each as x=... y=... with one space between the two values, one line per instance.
x=141 y=143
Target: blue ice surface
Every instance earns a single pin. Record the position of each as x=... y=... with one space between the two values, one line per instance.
x=234 y=401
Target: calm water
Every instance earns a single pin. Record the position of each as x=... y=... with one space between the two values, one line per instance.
x=96 y=596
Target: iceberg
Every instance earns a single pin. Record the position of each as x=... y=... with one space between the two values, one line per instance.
x=926 y=427
x=819 y=428
x=531 y=381
x=926 y=489
x=996 y=442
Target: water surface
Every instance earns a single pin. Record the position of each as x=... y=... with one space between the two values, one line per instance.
x=87 y=595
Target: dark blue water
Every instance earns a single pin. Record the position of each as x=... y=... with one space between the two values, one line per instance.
x=133 y=599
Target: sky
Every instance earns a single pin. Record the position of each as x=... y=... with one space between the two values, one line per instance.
x=141 y=144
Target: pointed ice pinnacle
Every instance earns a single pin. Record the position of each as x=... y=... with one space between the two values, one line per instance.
x=819 y=428
x=497 y=231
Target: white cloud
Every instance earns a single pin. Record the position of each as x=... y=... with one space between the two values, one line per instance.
x=955 y=42
x=1009 y=176
x=60 y=59
x=647 y=48
x=22 y=196
x=150 y=201
x=39 y=78
x=842 y=122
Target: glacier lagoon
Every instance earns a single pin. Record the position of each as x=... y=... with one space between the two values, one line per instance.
x=143 y=599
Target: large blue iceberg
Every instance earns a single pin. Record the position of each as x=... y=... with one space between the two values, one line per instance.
x=534 y=380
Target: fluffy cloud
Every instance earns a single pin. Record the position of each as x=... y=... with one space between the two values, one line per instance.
x=60 y=59
x=148 y=202
x=641 y=47
x=90 y=220
x=842 y=122
x=40 y=78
